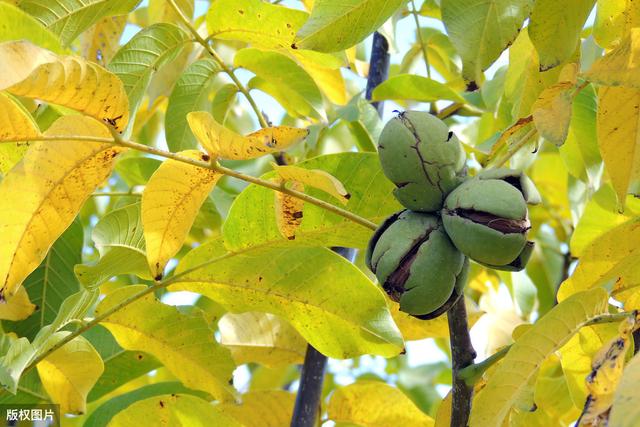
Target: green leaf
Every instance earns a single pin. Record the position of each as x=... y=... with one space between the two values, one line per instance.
x=222 y=101
x=415 y=88
x=254 y=21
x=191 y=93
x=73 y=308
x=51 y=282
x=137 y=61
x=336 y=25
x=136 y=170
x=183 y=343
x=69 y=18
x=282 y=76
x=481 y=29
x=510 y=379
x=261 y=338
x=119 y=239
x=252 y=219
x=30 y=391
x=21 y=352
x=18 y=25
x=555 y=29
x=120 y=365
x=580 y=152
x=176 y=410
x=104 y=413
x=294 y=284
x=13 y=363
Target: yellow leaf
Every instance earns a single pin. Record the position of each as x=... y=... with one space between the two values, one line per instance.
x=268 y=408
x=618 y=130
x=69 y=373
x=510 y=379
x=611 y=256
x=520 y=330
x=552 y=180
x=329 y=80
x=626 y=411
x=551 y=392
x=44 y=193
x=184 y=344
x=15 y=121
x=15 y=124
x=577 y=354
x=415 y=329
x=174 y=410
x=552 y=110
x=18 y=307
x=518 y=129
x=626 y=289
x=225 y=143
x=621 y=66
x=606 y=372
x=375 y=404
x=100 y=42
x=315 y=178
x=70 y=81
x=261 y=338
x=601 y=215
x=288 y=211
x=614 y=19
x=443 y=416
x=170 y=202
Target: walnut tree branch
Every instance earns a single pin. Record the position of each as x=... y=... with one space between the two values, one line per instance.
x=462 y=356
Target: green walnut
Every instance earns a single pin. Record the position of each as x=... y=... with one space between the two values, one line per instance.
x=422 y=158
x=487 y=219
x=417 y=264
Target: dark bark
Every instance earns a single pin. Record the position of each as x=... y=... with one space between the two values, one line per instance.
x=378 y=67
x=307 y=408
x=462 y=355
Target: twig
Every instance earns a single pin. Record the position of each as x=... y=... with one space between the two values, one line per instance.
x=378 y=67
x=449 y=110
x=220 y=62
x=462 y=355
x=516 y=147
x=116 y=194
x=423 y=47
x=473 y=372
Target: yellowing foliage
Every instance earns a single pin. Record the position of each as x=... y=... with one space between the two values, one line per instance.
x=70 y=81
x=46 y=190
x=170 y=203
x=225 y=143
x=70 y=372
x=375 y=404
